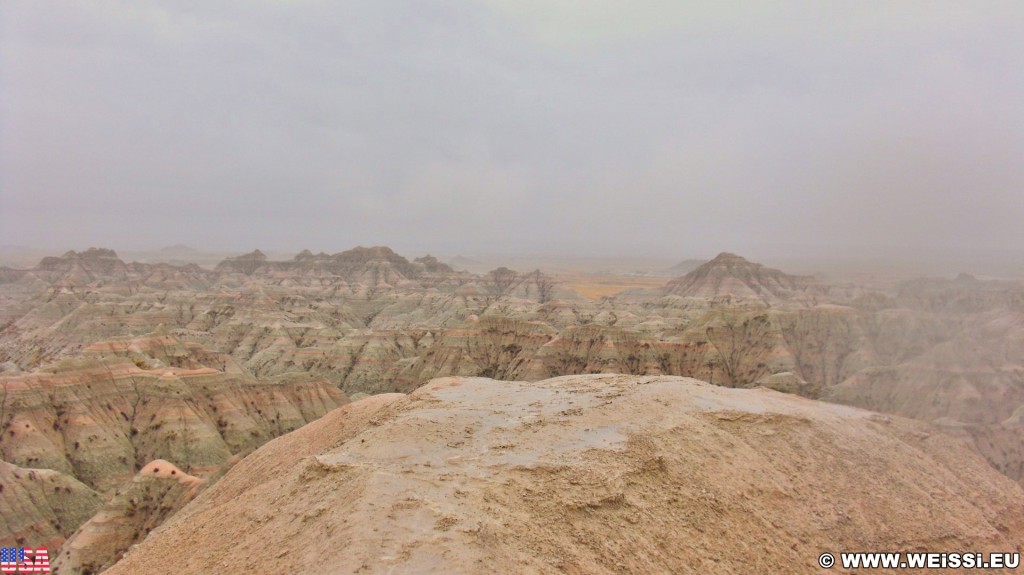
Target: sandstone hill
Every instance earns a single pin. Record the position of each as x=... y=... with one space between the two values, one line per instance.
x=41 y=507
x=158 y=491
x=78 y=430
x=730 y=274
x=91 y=264
x=98 y=267
x=587 y=474
x=375 y=266
x=102 y=419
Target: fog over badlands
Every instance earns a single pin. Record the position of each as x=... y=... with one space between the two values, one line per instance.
x=540 y=287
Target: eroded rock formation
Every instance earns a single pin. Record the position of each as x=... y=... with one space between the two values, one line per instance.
x=587 y=474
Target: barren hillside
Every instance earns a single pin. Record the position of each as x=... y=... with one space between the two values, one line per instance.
x=587 y=474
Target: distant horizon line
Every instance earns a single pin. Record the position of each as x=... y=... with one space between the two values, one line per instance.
x=934 y=261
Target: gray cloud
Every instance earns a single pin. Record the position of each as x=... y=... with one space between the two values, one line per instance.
x=648 y=127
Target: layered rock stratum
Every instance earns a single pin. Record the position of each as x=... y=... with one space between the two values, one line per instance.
x=42 y=507
x=158 y=491
x=587 y=474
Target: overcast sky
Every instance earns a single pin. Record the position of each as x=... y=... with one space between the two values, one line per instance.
x=646 y=127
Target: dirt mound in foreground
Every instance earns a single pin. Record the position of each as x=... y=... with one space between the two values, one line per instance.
x=587 y=474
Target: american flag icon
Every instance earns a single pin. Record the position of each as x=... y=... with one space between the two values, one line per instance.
x=20 y=560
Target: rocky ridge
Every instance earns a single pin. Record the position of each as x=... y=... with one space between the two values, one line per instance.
x=587 y=474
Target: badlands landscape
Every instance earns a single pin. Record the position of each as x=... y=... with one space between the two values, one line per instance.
x=542 y=287
x=367 y=412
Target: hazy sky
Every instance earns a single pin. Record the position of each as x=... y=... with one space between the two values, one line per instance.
x=647 y=127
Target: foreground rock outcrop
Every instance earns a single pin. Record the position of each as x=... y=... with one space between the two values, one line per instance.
x=587 y=474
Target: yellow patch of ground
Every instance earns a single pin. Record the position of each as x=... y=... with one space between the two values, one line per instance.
x=595 y=286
